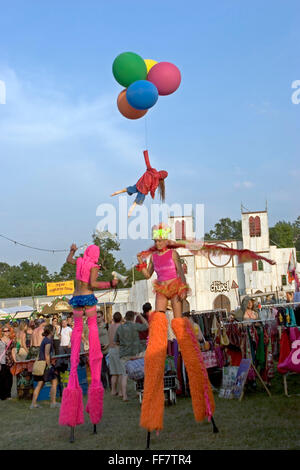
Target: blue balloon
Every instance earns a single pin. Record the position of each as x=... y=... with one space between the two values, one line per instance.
x=142 y=94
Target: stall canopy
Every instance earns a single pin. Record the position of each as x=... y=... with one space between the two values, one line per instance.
x=60 y=305
x=16 y=313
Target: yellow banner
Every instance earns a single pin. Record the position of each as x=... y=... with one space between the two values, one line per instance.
x=60 y=288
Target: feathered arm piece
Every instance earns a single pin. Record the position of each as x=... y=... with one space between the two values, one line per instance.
x=244 y=256
x=199 y=248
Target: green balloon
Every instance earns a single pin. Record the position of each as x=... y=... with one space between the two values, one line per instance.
x=129 y=67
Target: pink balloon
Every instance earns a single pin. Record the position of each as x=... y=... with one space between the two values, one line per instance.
x=165 y=76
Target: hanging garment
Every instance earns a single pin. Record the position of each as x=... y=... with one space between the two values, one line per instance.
x=285 y=349
x=292 y=316
x=260 y=350
x=297 y=315
x=292 y=361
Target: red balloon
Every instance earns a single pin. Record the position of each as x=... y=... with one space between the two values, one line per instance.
x=128 y=111
x=165 y=76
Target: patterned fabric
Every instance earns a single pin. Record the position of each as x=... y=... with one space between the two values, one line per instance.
x=210 y=359
x=175 y=287
x=135 y=369
x=82 y=300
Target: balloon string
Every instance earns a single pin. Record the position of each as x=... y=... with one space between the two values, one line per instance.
x=146 y=134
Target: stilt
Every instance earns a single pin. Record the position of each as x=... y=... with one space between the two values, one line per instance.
x=95 y=429
x=148 y=440
x=215 y=429
x=72 y=434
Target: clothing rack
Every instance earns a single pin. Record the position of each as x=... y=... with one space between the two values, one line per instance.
x=202 y=312
x=248 y=321
x=285 y=304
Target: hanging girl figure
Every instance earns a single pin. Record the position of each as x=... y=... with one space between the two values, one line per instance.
x=149 y=182
x=84 y=303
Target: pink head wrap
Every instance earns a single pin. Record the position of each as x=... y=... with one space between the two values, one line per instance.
x=85 y=264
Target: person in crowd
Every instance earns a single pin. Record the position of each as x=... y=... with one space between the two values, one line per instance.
x=128 y=339
x=22 y=350
x=36 y=339
x=70 y=321
x=65 y=338
x=147 y=307
x=37 y=335
x=7 y=359
x=104 y=341
x=289 y=297
x=11 y=330
x=85 y=338
x=250 y=313
x=29 y=331
x=245 y=311
x=50 y=375
x=116 y=368
x=56 y=335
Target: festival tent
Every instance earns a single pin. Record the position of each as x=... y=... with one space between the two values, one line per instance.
x=16 y=313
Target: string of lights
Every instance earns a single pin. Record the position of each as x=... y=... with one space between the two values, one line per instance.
x=38 y=249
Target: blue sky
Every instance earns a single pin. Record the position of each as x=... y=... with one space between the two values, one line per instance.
x=229 y=134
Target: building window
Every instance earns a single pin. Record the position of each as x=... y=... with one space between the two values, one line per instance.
x=260 y=265
x=257 y=226
x=283 y=280
x=254 y=226
x=254 y=266
x=180 y=230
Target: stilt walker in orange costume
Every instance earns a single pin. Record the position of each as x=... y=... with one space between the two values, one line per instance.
x=171 y=285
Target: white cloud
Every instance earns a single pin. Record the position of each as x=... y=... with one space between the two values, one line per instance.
x=243 y=184
x=262 y=108
x=33 y=117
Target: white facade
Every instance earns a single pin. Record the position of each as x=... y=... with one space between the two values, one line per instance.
x=213 y=279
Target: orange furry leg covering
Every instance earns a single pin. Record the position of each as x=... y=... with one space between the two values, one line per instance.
x=200 y=388
x=152 y=411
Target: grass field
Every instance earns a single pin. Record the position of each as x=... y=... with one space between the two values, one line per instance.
x=258 y=422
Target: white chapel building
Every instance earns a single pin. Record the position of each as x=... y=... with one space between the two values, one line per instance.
x=220 y=281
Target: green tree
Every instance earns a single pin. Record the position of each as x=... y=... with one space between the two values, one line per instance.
x=226 y=229
x=282 y=234
x=18 y=281
x=296 y=225
x=108 y=244
x=67 y=273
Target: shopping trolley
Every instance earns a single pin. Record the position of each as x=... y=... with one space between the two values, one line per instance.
x=169 y=388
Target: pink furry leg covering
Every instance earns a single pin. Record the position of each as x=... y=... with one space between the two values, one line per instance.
x=95 y=394
x=71 y=410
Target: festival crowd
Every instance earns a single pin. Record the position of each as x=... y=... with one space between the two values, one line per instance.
x=42 y=339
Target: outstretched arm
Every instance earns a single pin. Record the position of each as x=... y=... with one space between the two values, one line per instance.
x=179 y=269
x=70 y=257
x=101 y=284
x=147 y=271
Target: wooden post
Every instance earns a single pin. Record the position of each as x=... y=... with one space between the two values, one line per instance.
x=258 y=375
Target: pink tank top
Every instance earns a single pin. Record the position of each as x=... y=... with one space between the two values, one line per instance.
x=164 y=266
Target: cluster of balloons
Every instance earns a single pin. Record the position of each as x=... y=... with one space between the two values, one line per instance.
x=144 y=81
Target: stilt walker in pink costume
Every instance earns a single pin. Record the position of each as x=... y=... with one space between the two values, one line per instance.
x=84 y=302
